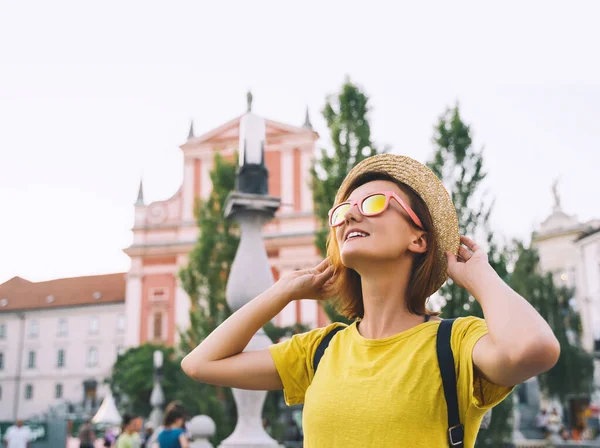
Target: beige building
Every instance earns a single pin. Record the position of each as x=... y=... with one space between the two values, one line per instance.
x=588 y=288
x=563 y=244
x=58 y=341
x=570 y=250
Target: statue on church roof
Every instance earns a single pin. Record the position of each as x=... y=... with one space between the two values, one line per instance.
x=249 y=100
x=555 y=193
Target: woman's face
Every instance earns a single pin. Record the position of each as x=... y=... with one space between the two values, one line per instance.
x=390 y=235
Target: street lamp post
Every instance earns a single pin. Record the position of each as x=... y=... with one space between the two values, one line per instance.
x=251 y=206
x=157 y=398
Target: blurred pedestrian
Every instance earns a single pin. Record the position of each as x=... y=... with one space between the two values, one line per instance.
x=541 y=421
x=17 y=436
x=173 y=435
x=130 y=437
x=147 y=436
x=109 y=438
x=152 y=442
x=87 y=435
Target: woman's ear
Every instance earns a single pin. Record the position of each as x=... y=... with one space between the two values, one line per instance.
x=418 y=242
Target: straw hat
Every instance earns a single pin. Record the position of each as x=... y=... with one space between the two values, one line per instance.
x=427 y=185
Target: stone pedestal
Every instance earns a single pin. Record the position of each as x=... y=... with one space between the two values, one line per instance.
x=201 y=428
x=157 y=399
x=250 y=276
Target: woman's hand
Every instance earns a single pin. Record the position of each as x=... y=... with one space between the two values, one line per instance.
x=312 y=283
x=470 y=264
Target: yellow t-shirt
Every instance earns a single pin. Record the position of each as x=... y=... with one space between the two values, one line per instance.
x=383 y=392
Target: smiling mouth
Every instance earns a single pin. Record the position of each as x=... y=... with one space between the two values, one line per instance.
x=356 y=236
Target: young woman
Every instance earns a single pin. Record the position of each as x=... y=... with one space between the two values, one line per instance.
x=173 y=433
x=393 y=242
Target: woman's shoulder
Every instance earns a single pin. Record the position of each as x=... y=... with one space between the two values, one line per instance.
x=307 y=342
x=468 y=330
x=318 y=334
x=469 y=322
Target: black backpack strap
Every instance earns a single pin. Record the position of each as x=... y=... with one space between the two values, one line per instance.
x=456 y=431
x=323 y=345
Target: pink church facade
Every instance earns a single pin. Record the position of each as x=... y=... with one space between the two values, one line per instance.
x=164 y=232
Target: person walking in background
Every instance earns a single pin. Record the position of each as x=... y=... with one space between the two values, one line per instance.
x=147 y=436
x=541 y=422
x=109 y=437
x=173 y=435
x=152 y=441
x=130 y=437
x=87 y=435
x=17 y=436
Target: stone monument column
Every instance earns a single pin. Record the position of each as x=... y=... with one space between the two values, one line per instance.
x=251 y=206
x=157 y=398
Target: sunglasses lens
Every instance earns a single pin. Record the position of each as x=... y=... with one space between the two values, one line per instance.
x=338 y=214
x=373 y=204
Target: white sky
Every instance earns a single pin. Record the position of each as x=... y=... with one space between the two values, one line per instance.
x=93 y=96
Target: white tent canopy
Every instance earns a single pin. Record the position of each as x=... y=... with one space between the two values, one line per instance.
x=107 y=413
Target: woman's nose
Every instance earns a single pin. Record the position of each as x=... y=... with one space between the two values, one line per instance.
x=352 y=214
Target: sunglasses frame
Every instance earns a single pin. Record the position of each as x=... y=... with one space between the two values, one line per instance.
x=388 y=195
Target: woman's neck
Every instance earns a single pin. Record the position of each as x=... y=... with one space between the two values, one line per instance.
x=384 y=292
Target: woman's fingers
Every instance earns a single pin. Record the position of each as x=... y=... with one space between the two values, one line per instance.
x=472 y=245
x=322 y=266
x=325 y=275
x=464 y=253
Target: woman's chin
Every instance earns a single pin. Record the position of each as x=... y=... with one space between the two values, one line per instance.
x=354 y=256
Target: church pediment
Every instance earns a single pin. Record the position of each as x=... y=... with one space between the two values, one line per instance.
x=230 y=132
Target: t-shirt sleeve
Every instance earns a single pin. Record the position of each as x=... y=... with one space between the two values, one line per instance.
x=481 y=393
x=294 y=362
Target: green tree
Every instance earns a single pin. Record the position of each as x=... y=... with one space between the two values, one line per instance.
x=204 y=279
x=346 y=115
x=573 y=373
x=460 y=167
x=131 y=379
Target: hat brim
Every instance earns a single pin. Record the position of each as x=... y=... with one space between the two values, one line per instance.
x=429 y=188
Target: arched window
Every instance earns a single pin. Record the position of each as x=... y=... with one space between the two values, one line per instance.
x=60 y=358
x=93 y=329
x=92 y=357
x=157 y=326
x=58 y=391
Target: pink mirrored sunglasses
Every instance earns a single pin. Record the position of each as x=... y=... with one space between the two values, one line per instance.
x=371 y=205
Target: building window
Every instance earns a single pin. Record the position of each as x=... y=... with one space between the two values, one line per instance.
x=1 y=361
x=58 y=391
x=2 y=331
x=157 y=325
x=158 y=294
x=62 y=327
x=92 y=357
x=60 y=358
x=121 y=323
x=93 y=329
x=0 y=393
x=28 y=392
x=120 y=350
x=31 y=360
x=34 y=329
